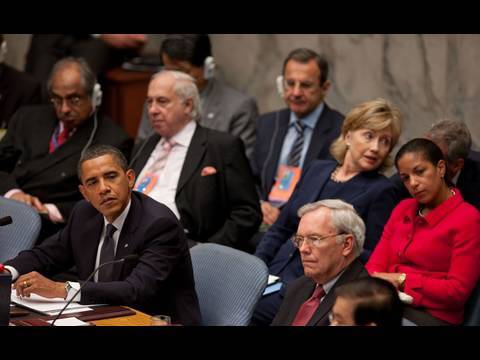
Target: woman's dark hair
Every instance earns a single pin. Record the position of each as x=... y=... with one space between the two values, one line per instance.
x=429 y=150
x=376 y=301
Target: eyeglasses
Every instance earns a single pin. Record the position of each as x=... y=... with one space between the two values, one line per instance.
x=72 y=100
x=304 y=85
x=314 y=240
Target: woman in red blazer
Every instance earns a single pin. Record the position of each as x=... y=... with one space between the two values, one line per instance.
x=430 y=247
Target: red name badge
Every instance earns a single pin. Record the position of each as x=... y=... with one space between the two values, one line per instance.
x=285 y=182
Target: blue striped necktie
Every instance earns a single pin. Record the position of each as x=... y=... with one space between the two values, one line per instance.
x=297 y=148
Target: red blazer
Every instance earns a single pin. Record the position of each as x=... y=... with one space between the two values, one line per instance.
x=439 y=253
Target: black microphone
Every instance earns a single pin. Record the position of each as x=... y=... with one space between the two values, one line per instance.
x=5 y=220
x=125 y=258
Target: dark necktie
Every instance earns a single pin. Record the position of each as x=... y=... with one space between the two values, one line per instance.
x=297 y=148
x=107 y=254
x=309 y=307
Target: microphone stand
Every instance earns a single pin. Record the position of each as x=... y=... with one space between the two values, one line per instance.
x=80 y=288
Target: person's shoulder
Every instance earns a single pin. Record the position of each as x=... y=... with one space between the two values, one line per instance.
x=151 y=210
x=219 y=138
x=20 y=78
x=273 y=115
x=38 y=111
x=233 y=94
x=333 y=112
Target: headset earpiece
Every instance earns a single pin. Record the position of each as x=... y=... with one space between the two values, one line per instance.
x=209 y=68
x=96 y=96
x=3 y=51
x=280 y=86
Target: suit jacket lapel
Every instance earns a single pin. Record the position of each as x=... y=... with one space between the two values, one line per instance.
x=142 y=154
x=71 y=147
x=282 y=119
x=195 y=153
x=124 y=245
x=92 y=231
x=351 y=272
x=304 y=293
x=317 y=142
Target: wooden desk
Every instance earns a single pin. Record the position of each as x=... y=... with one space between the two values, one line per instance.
x=125 y=94
x=139 y=319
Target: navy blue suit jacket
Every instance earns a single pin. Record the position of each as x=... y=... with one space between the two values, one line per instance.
x=272 y=129
x=160 y=282
x=373 y=197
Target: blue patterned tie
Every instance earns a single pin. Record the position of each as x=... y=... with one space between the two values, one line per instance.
x=297 y=148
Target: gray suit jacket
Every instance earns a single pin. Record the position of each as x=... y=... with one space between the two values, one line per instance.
x=223 y=109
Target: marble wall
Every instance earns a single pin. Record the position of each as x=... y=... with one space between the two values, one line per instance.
x=427 y=76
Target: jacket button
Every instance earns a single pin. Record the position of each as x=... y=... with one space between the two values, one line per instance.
x=62 y=174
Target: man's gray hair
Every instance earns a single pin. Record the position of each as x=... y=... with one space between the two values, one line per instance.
x=185 y=88
x=88 y=78
x=344 y=218
x=455 y=135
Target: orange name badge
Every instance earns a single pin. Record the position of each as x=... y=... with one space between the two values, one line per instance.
x=147 y=184
x=285 y=182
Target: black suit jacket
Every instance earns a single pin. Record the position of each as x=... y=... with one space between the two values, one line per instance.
x=221 y=208
x=160 y=282
x=272 y=129
x=26 y=164
x=302 y=288
x=468 y=182
x=16 y=89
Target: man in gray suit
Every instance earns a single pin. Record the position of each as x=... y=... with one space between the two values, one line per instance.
x=223 y=108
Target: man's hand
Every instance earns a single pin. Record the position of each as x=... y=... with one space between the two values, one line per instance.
x=30 y=200
x=392 y=278
x=124 y=41
x=34 y=283
x=270 y=213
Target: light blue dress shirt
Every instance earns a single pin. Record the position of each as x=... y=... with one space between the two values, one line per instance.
x=309 y=123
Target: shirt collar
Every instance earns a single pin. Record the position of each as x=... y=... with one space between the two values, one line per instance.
x=120 y=220
x=310 y=120
x=442 y=210
x=328 y=285
x=455 y=178
x=184 y=136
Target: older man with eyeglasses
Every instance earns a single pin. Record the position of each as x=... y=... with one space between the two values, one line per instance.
x=40 y=152
x=330 y=238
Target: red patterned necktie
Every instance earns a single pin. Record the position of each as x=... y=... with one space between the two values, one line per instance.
x=58 y=138
x=309 y=307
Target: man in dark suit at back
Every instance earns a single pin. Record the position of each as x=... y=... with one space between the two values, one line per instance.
x=113 y=223
x=289 y=139
x=463 y=164
x=201 y=174
x=330 y=238
x=40 y=152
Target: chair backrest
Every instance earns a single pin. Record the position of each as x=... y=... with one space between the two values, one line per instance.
x=22 y=233
x=228 y=282
x=472 y=308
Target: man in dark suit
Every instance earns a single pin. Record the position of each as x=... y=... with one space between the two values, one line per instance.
x=223 y=107
x=330 y=238
x=16 y=89
x=112 y=223
x=308 y=126
x=463 y=164
x=40 y=152
x=201 y=174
